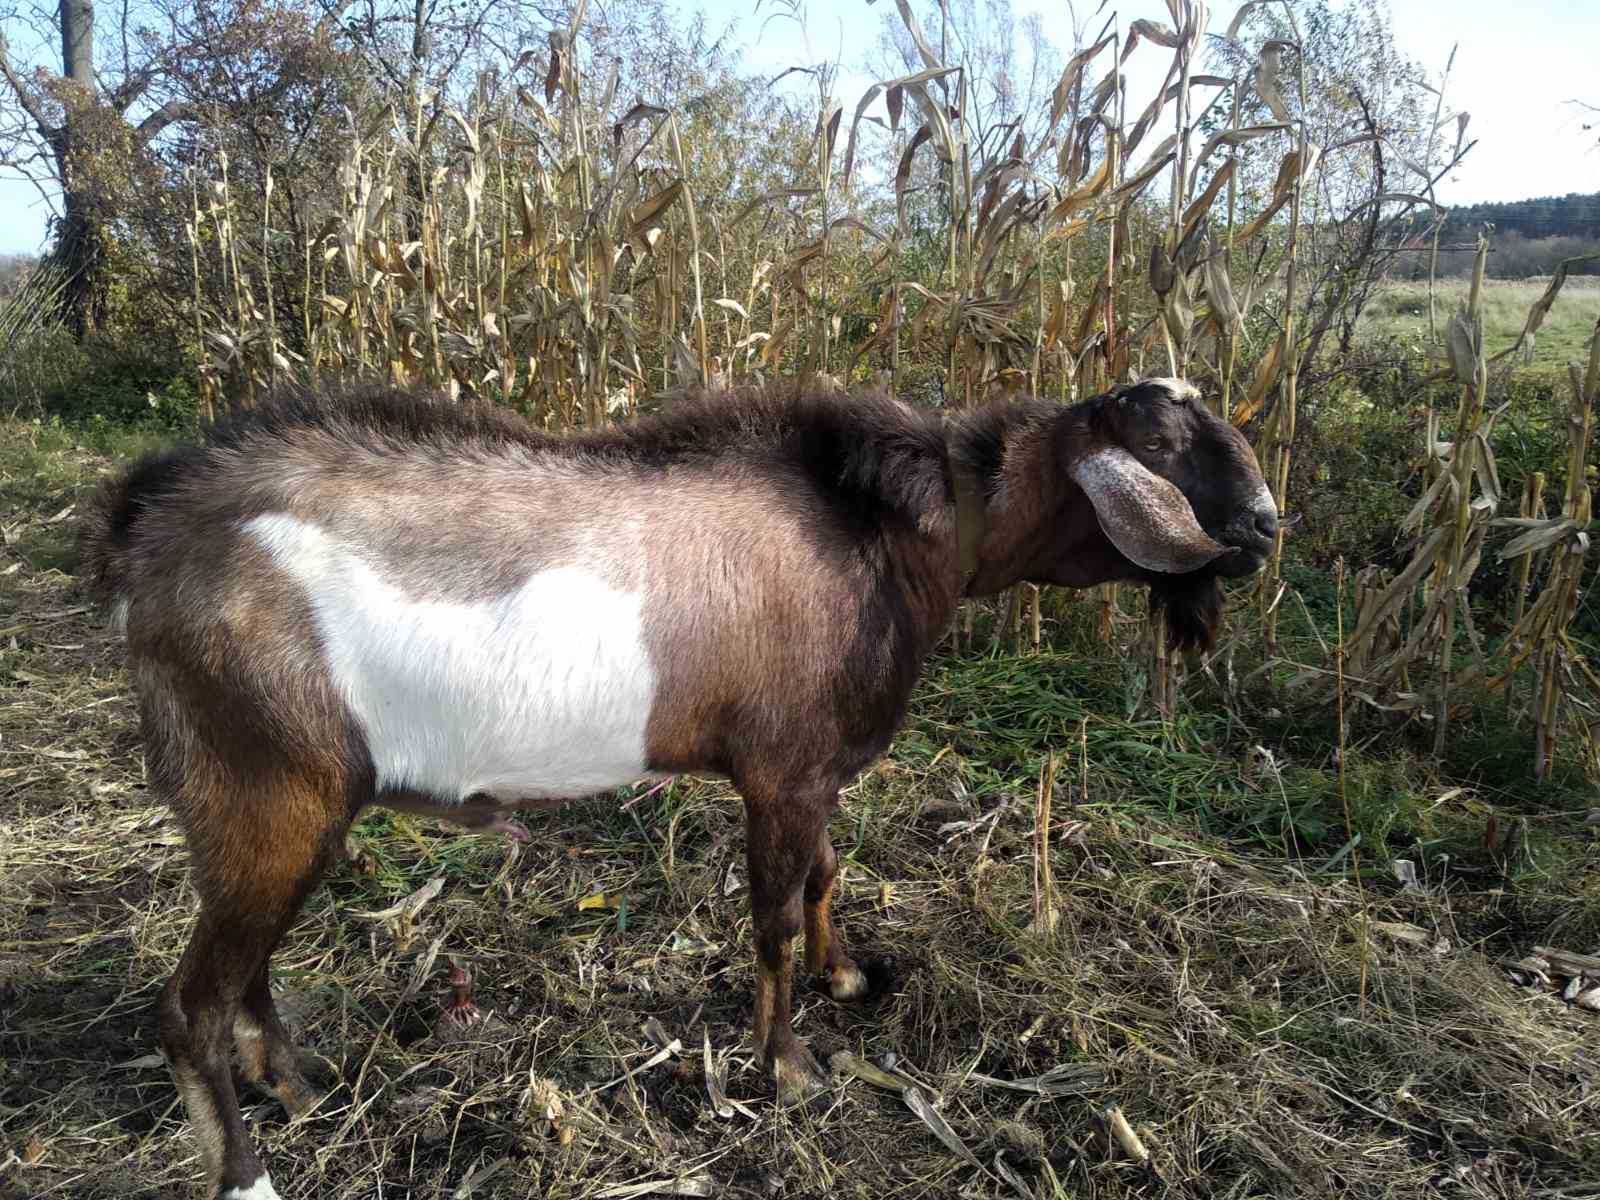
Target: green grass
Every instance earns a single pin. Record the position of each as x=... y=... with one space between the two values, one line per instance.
x=46 y=470
x=1000 y=717
x=1400 y=310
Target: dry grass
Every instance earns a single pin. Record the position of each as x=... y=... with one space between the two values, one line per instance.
x=1268 y=1027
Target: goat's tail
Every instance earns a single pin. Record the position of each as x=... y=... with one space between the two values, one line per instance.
x=105 y=538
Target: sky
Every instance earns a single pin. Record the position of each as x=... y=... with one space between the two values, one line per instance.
x=1517 y=69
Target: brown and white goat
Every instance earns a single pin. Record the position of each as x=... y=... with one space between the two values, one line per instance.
x=380 y=599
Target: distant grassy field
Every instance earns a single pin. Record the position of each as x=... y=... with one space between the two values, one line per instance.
x=1401 y=310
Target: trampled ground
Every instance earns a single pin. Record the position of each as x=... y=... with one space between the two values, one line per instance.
x=1270 y=1022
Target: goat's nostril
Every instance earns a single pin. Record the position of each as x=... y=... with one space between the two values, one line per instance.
x=1267 y=522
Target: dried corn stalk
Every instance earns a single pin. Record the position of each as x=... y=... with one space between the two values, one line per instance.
x=1451 y=519
x=1565 y=686
x=1410 y=666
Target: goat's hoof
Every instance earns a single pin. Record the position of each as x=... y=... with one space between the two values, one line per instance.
x=299 y=1099
x=515 y=830
x=303 y=1104
x=847 y=983
x=797 y=1074
x=261 y=1189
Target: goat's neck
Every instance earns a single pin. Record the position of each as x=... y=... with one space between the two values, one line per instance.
x=1034 y=514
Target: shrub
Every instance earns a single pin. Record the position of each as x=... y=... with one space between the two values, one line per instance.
x=113 y=383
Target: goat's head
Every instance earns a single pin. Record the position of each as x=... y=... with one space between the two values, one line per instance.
x=1175 y=487
x=1178 y=493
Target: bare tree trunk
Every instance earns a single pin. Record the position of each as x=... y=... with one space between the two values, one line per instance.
x=77 y=42
x=80 y=240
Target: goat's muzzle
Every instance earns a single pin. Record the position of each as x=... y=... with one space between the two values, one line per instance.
x=1251 y=534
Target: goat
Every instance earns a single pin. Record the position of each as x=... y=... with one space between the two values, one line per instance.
x=339 y=601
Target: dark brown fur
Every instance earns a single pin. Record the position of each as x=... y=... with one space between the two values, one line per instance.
x=801 y=560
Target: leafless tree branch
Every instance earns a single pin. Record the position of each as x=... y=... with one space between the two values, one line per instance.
x=25 y=95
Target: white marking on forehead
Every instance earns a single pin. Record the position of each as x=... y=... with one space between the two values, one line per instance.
x=261 y=1189
x=1178 y=389
x=542 y=692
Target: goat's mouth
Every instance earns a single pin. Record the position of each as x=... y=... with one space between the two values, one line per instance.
x=1250 y=535
x=1243 y=561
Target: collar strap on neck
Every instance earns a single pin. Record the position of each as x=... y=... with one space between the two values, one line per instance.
x=971 y=515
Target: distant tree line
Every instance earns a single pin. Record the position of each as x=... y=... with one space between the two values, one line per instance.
x=1574 y=215
x=1528 y=237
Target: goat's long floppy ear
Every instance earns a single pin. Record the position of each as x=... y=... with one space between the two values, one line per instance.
x=1144 y=515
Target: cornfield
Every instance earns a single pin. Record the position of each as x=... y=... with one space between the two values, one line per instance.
x=553 y=249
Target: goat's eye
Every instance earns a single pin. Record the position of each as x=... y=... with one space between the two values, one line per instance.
x=1155 y=446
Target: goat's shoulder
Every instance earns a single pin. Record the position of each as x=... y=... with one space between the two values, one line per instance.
x=984 y=438
x=867 y=451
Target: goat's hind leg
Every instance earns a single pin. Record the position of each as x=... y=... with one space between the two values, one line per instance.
x=825 y=952
x=780 y=846
x=255 y=859
x=266 y=1052
x=196 y=1020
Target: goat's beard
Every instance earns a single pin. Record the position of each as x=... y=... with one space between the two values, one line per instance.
x=1193 y=607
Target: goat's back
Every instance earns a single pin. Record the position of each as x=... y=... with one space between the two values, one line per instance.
x=719 y=573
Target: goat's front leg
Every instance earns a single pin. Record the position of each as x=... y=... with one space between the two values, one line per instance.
x=825 y=952
x=780 y=846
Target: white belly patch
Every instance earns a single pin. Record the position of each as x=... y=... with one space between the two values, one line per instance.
x=542 y=692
